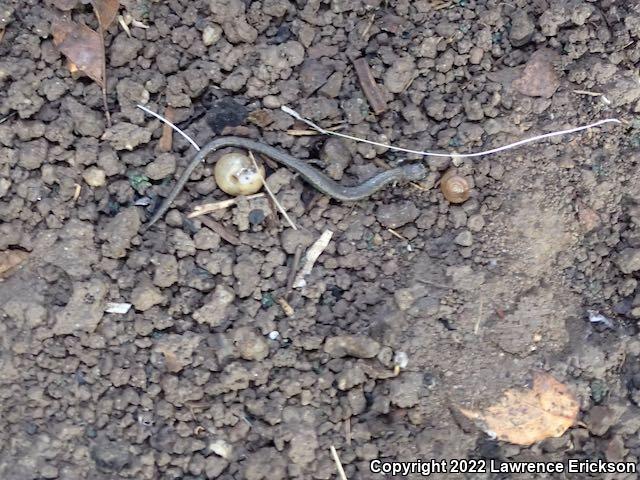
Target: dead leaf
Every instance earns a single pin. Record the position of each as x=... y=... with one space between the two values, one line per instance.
x=1 y=34
x=106 y=11
x=82 y=47
x=9 y=261
x=526 y=416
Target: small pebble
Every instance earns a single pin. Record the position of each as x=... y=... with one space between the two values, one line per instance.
x=464 y=239
x=94 y=176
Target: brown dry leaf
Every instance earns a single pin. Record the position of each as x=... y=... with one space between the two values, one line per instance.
x=82 y=47
x=106 y=11
x=9 y=261
x=526 y=416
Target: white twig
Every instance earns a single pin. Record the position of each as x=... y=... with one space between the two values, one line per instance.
x=212 y=207
x=273 y=197
x=312 y=255
x=297 y=116
x=161 y=118
x=336 y=458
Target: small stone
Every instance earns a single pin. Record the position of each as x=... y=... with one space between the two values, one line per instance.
x=358 y=346
x=475 y=55
x=250 y=345
x=522 y=28
x=94 y=176
x=110 y=456
x=145 y=295
x=539 y=78
x=464 y=238
x=214 y=311
x=628 y=260
x=84 y=310
x=256 y=216
x=475 y=223
x=399 y=75
x=291 y=238
x=49 y=471
x=33 y=154
x=177 y=349
x=215 y=466
x=600 y=419
x=126 y=136
x=350 y=377
x=405 y=297
x=162 y=167
x=211 y=34
x=396 y=215
x=405 y=389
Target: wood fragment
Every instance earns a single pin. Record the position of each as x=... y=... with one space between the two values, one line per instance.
x=312 y=255
x=369 y=86
x=1 y=34
x=336 y=458
x=286 y=308
x=302 y=133
x=10 y=260
x=297 y=255
x=273 y=197
x=166 y=140
x=124 y=25
x=221 y=230
x=347 y=431
x=76 y=193
x=586 y=92
x=222 y=204
x=396 y=234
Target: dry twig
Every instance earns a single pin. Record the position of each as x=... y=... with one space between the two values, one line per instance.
x=273 y=197
x=369 y=86
x=312 y=255
x=336 y=458
x=212 y=207
x=221 y=230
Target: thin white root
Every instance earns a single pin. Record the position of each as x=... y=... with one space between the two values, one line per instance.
x=297 y=116
x=212 y=207
x=312 y=255
x=273 y=197
x=162 y=119
x=336 y=458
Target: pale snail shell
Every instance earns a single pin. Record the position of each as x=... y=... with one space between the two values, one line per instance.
x=236 y=174
x=455 y=188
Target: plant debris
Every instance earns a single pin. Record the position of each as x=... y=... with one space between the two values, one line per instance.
x=84 y=47
x=10 y=260
x=120 y=308
x=312 y=255
x=369 y=86
x=166 y=140
x=526 y=416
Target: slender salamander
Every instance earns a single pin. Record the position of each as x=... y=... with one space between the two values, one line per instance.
x=314 y=177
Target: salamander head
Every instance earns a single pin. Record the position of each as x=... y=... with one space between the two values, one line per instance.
x=414 y=172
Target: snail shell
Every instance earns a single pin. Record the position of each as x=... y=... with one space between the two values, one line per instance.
x=236 y=174
x=455 y=187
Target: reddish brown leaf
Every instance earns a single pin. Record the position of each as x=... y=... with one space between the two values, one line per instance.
x=9 y=261
x=82 y=47
x=106 y=11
